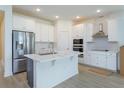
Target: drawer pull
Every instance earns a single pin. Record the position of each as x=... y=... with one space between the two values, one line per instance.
x=53 y=62
x=71 y=57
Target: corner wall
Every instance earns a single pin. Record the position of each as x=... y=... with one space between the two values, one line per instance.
x=0 y=43
x=1 y=40
x=7 y=9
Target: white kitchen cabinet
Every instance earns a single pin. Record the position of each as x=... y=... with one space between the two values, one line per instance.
x=112 y=61
x=98 y=60
x=88 y=59
x=78 y=31
x=63 y=35
x=88 y=32
x=112 y=30
x=30 y=25
x=18 y=23
x=44 y=32
x=102 y=60
x=51 y=33
x=63 y=41
x=106 y=60
x=94 y=59
x=23 y=23
x=38 y=32
x=64 y=25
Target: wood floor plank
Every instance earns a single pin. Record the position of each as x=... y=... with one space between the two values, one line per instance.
x=84 y=79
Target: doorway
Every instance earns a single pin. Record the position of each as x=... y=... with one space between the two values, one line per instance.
x=1 y=42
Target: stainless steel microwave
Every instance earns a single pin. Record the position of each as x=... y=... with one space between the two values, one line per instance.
x=78 y=41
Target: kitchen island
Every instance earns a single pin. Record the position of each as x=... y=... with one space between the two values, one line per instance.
x=46 y=71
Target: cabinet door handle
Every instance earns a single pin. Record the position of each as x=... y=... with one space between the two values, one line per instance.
x=53 y=62
x=71 y=57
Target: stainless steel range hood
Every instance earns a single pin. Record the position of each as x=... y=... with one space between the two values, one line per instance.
x=100 y=33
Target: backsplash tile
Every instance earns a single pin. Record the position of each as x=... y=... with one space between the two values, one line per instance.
x=103 y=44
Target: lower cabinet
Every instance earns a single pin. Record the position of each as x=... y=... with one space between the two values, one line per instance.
x=87 y=59
x=102 y=60
x=30 y=73
x=112 y=61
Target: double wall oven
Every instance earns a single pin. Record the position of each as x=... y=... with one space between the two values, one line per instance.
x=78 y=45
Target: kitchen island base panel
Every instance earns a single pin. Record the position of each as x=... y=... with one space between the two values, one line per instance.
x=49 y=74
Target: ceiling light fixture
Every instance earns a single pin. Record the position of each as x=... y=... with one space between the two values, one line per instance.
x=57 y=17
x=37 y=9
x=77 y=17
x=98 y=11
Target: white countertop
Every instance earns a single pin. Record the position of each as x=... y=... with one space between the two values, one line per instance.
x=45 y=58
x=103 y=52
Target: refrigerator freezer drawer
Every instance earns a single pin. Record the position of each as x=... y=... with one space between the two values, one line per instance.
x=19 y=65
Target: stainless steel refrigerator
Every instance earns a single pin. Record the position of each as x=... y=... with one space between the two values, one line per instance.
x=23 y=43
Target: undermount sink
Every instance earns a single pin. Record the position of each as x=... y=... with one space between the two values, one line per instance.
x=48 y=53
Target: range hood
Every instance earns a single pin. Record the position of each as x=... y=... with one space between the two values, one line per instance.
x=100 y=33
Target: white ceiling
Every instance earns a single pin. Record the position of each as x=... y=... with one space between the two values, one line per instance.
x=66 y=11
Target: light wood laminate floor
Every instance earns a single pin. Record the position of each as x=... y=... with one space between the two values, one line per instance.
x=83 y=80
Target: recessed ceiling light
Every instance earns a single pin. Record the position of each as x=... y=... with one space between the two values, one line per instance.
x=98 y=11
x=37 y=9
x=77 y=17
x=57 y=17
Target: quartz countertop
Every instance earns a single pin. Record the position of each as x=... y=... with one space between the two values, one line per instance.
x=102 y=52
x=46 y=58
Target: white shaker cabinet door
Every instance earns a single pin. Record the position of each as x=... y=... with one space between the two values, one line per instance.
x=102 y=60
x=45 y=33
x=64 y=25
x=112 y=30
x=23 y=23
x=51 y=33
x=38 y=32
x=63 y=40
x=30 y=25
x=77 y=32
x=88 y=62
x=94 y=59
x=89 y=32
x=112 y=61
x=19 y=23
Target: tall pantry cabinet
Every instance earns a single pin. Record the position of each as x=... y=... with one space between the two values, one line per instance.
x=63 y=35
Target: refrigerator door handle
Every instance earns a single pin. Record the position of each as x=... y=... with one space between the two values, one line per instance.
x=25 y=41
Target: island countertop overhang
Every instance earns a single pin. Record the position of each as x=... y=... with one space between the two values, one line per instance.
x=46 y=58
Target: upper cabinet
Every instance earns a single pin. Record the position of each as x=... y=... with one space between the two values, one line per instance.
x=112 y=30
x=63 y=35
x=51 y=33
x=78 y=31
x=63 y=25
x=23 y=23
x=88 y=28
x=44 y=32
